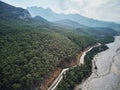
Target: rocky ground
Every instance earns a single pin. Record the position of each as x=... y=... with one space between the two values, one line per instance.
x=107 y=74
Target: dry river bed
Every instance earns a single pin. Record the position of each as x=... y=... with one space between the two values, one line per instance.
x=107 y=74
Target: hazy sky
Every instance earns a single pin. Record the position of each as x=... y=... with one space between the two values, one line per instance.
x=99 y=9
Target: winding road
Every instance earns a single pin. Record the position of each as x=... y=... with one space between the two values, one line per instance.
x=60 y=76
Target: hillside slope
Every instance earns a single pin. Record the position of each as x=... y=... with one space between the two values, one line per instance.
x=8 y=11
x=31 y=48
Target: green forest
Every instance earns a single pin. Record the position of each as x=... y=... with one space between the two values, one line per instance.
x=32 y=47
x=29 y=51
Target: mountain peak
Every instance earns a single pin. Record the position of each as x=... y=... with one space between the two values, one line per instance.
x=52 y=16
x=7 y=10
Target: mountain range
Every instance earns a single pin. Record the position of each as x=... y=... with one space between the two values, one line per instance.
x=52 y=16
x=34 y=50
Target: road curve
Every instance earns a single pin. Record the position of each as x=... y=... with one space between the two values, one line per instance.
x=60 y=77
x=107 y=74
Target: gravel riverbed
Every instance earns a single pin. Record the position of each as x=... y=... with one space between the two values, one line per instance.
x=107 y=74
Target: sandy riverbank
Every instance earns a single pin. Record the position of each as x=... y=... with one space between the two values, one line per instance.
x=107 y=75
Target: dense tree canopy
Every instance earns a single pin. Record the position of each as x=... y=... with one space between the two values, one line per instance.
x=28 y=54
x=29 y=50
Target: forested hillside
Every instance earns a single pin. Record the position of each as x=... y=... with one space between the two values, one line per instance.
x=30 y=48
x=29 y=53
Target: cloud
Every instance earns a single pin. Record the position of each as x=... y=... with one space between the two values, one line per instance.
x=72 y=6
x=99 y=9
